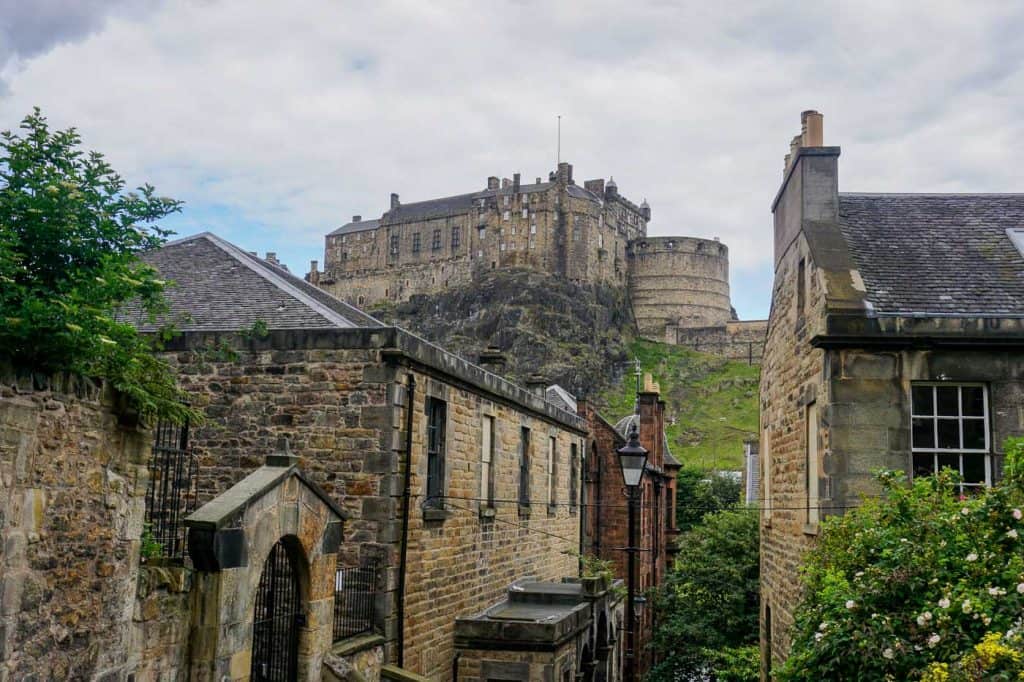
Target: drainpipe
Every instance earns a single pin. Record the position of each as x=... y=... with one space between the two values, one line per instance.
x=455 y=666
x=406 y=495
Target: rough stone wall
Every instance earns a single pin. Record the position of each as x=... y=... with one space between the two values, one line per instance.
x=72 y=485
x=792 y=376
x=464 y=562
x=160 y=639
x=735 y=340
x=678 y=280
x=482 y=665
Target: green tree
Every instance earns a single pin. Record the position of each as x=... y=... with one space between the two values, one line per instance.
x=920 y=583
x=70 y=236
x=700 y=492
x=707 y=609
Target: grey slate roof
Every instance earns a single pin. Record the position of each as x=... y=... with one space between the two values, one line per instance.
x=359 y=226
x=623 y=426
x=936 y=254
x=219 y=287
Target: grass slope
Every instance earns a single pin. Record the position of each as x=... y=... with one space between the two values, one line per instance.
x=711 y=403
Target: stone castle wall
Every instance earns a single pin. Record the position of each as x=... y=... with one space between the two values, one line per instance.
x=678 y=280
x=742 y=341
x=76 y=602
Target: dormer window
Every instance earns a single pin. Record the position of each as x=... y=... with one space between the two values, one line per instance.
x=1016 y=235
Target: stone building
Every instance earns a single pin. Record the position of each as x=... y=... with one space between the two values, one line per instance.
x=589 y=235
x=868 y=367
x=605 y=523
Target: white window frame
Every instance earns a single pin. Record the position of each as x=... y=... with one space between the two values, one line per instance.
x=552 y=471
x=506 y=215
x=487 y=460
x=533 y=228
x=936 y=451
x=526 y=212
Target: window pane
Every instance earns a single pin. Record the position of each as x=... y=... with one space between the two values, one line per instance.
x=974 y=468
x=921 y=400
x=974 y=401
x=923 y=433
x=949 y=434
x=924 y=465
x=949 y=462
x=974 y=434
x=948 y=399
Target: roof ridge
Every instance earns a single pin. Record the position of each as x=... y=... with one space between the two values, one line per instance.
x=276 y=279
x=931 y=194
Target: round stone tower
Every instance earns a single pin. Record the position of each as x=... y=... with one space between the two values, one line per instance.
x=678 y=280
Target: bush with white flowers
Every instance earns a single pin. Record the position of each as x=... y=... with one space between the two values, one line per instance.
x=917 y=584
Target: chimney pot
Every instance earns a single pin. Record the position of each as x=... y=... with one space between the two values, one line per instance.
x=394 y=200
x=538 y=179
x=812 y=129
x=356 y=218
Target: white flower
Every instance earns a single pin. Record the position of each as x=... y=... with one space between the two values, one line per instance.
x=850 y=604
x=858 y=574
x=966 y=606
x=1017 y=514
x=972 y=557
x=965 y=511
x=927 y=615
x=996 y=591
x=1020 y=588
x=944 y=603
x=921 y=620
x=823 y=626
x=818 y=636
x=986 y=620
x=933 y=640
x=1012 y=533
x=889 y=653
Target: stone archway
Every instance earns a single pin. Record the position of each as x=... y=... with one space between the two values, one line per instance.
x=232 y=539
x=279 y=616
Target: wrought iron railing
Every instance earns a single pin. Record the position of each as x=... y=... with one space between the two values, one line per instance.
x=171 y=495
x=355 y=595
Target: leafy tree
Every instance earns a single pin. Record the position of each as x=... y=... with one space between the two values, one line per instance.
x=918 y=584
x=700 y=492
x=707 y=609
x=69 y=239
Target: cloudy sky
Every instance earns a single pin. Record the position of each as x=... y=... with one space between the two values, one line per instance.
x=276 y=121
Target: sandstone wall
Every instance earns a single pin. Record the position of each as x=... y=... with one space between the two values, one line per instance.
x=160 y=620
x=678 y=280
x=72 y=485
x=481 y=665
x=736 y=340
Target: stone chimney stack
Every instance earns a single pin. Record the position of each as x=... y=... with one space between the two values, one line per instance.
x=595 y=186
x=271 y=257
x=314 y=274
x=515 y=183
x=357 y=218
x=537 y=384
x=493 y=360
x=394 y=200
x=565 y=173
x=492 y=182
x=505 y=182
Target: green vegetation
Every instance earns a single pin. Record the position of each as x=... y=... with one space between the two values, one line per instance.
x=711 y=403
x=699 y=493
x=706 y=611
x=919 y=584
x=70 y=236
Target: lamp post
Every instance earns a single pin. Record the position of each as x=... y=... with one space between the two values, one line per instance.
x=632 y=460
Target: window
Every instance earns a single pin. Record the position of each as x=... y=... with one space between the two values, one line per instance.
x=576 y=233
x=949 y=428
x=506 y=215
x=573 y=473
x=552 y=472
x=487 y=462
x=524 y=466
x=533 y=243
x=481 y=232
x=436 y=414
x=801 y=290
x=435 y=243
x=812 y=467
x=394 y=245
x=506 y=199
x=501 y=247
x=600 y=241
x=526 y=212
x=416 y=242
x=456 y=237
x=512 y=246
x=513 y=230
x=533 y=228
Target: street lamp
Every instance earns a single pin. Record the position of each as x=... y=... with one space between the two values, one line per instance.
x=632 y=460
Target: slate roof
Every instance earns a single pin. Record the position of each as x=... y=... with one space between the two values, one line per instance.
x=357 y=226
x=936 y=254
x=219 y=287
x=623 y=426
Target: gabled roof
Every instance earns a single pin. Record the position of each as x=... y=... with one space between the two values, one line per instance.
x=561 y=397
x=357 y=226
x=219 y=287
x=935 y=255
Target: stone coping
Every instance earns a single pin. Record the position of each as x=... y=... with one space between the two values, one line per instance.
x=865 y=329
x=224 y=508
x=393 y=342
x=353 y=645
x=393 y=672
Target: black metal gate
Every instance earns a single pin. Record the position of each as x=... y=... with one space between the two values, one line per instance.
x=278 y=617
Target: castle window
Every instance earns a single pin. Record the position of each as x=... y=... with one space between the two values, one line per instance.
x=483 y=203
x=533 y=244
x=507 y=199
x=512 y=246
x=344 y=238
x=506 y=215
x=576 y=233
x=456 y=237
x=600 y=241
x=480 y=254
x=501 y=246
x=533 y=228
x=394 y=245
x=481 y=232
x=436 y=417
x=416 y=242
x=526 y=212
x=435 y=244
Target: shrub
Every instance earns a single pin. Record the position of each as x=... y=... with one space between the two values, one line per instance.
x=916 y=584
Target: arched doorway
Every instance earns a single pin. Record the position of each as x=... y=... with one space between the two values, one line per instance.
x=278 y=618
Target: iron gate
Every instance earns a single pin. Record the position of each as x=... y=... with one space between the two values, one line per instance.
x=276 y=622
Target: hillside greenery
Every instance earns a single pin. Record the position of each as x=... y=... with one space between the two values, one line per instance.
x=711 y=403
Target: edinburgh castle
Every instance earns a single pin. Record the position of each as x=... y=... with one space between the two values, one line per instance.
x=678 y=286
